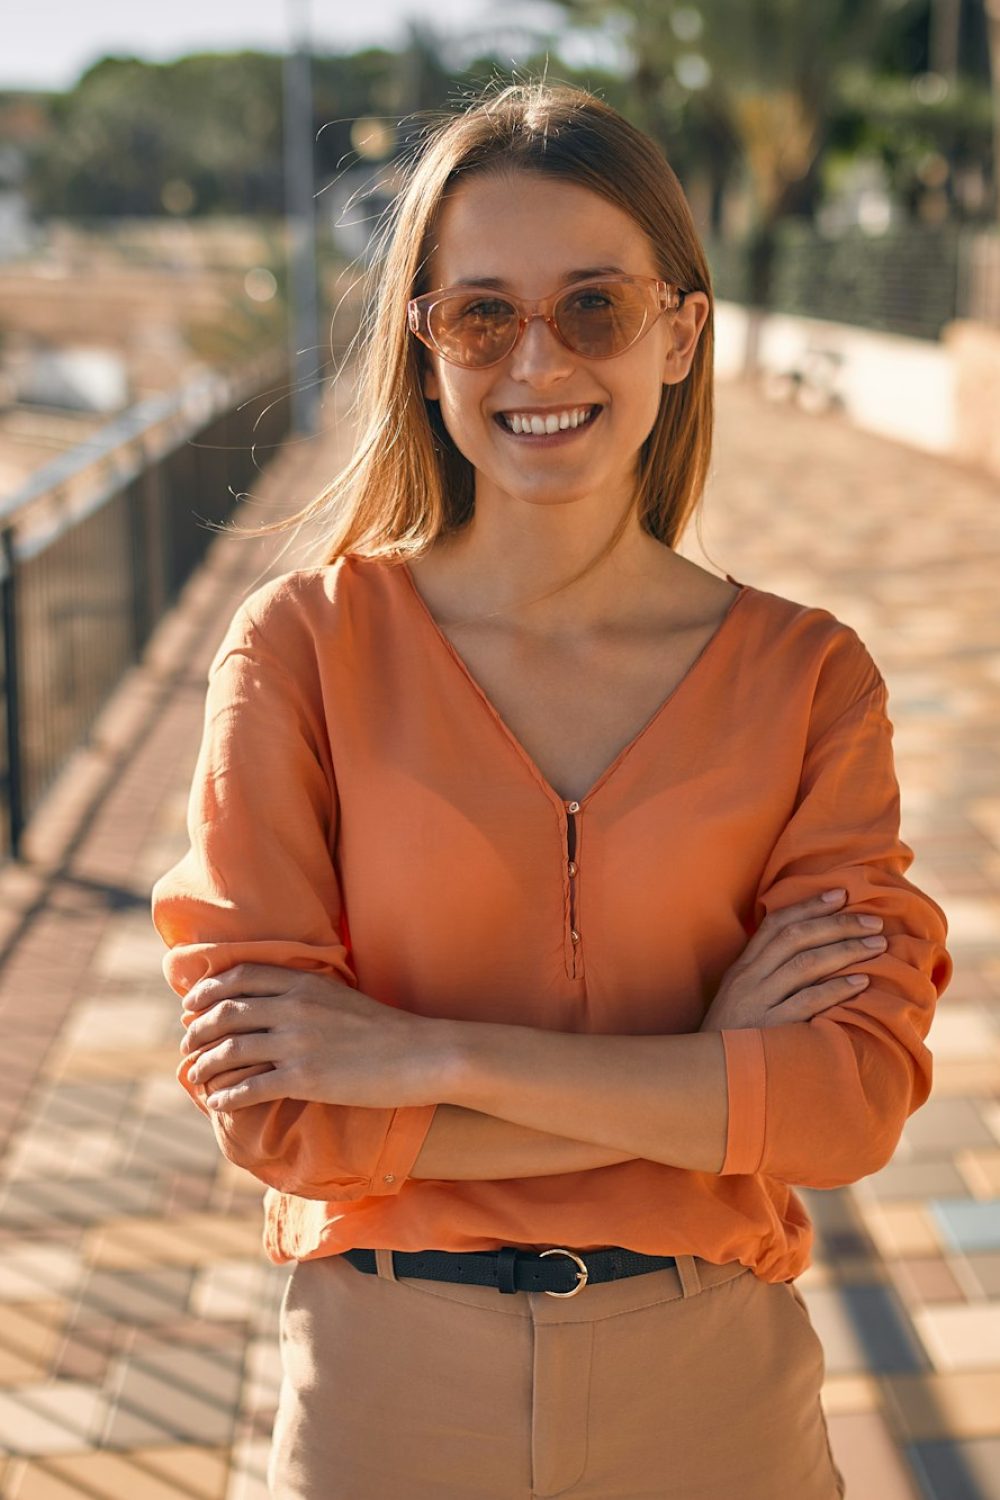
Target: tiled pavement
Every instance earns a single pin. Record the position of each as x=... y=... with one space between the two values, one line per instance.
x=138 y=1356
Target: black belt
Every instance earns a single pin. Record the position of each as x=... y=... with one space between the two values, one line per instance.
x=559 y=1272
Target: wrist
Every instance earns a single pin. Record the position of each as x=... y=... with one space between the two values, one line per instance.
x=460 y=1058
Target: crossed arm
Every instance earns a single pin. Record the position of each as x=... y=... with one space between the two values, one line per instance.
x=640 y=1093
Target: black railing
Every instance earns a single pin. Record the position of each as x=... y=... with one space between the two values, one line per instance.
x=912 y=280
x=96 y=548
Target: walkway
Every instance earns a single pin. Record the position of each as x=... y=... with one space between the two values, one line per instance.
x=138 y=1352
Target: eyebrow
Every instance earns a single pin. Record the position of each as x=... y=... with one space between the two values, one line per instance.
x=583 y=274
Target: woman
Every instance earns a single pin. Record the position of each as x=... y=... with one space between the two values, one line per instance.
x=545 y=915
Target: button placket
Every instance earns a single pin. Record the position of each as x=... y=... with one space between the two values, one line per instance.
x=572 y=870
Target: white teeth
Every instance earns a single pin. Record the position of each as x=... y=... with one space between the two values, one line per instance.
x=540 y=426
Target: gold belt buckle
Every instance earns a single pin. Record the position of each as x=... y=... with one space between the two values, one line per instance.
x=581 y=1275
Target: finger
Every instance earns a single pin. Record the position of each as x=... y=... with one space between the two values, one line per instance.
x=817 y=998
x=237 y=1075
x=245 y=979
x=259 y=1090
x=227 y=1018
x=232 y=1052
x=775 y=922
x=808 y=965
x=800 y=943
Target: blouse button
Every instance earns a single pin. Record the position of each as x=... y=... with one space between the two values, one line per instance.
x=574 y=935
x=389 y=1177
x=571 y=867
x=572 y=807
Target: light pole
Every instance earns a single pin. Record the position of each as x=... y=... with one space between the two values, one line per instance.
x=300 y=214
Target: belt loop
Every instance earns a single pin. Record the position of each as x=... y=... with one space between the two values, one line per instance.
x=687 y=1270
x=506 y=1256
x=384 y=1265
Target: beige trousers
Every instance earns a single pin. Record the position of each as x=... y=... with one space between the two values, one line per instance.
x=695 y=1383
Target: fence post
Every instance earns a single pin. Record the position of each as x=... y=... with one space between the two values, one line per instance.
x=8 y=606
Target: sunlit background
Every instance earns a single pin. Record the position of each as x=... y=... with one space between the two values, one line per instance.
x=187 y=197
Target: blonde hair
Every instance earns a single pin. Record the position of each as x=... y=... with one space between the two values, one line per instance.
x=407 y=483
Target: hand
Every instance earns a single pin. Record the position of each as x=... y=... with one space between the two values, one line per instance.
x=781 y=975
x=263 y=1032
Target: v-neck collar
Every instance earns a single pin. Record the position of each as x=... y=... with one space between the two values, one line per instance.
x=609 y=770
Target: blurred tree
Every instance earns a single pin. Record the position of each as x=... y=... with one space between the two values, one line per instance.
x=750 y=97
x=992 y=14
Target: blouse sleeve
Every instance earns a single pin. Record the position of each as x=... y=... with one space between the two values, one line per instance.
x=258 y=885
x=822 y=1103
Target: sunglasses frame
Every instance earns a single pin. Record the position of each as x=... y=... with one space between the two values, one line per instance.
x=669 y=298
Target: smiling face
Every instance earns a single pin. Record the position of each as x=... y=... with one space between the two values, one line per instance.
x=535 y=234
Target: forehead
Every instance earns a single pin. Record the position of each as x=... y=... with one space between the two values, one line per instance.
x=522 y=227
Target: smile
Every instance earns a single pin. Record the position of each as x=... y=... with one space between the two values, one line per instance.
x=534 y=425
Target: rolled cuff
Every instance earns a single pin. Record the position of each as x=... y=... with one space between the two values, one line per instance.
x=407 y=1132
x=746 y=1087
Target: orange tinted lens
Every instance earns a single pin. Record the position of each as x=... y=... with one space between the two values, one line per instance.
x=602 y=318
x=472 y=328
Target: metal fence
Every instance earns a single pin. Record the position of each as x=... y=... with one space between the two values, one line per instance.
x=913 y=280
x=96 y=548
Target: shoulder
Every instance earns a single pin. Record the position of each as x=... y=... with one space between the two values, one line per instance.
x=809 y=649
x=300 y=612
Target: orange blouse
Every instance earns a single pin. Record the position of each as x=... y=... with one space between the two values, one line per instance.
x=359 y=808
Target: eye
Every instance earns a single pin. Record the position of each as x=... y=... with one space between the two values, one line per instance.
x=594 y=297
x=486 y=308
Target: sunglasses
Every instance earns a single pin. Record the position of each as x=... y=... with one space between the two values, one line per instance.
x=476 y=327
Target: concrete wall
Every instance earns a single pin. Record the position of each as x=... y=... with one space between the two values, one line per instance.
x=903 y=388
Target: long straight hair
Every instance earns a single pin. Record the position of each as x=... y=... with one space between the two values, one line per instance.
x=406 y=482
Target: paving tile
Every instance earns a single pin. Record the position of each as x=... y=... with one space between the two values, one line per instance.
x=901 y=1229
x=985 y=1272
x=962 y=1336
x=30 y=1333
x=35 y=1205
x=184 y=1395
x=182 y=1473
x=87 y=1349
x=149 y=1296
x=130 y=948
x=971 y=921
x=104 y=1025
x=925 y=1279
x=841 y=1393
x=60 y=1417
x=980 y=1171
x=184 y=1194
x=962 y=1031
x=121 y=1064
x=248 y=1473
x=46 y=1152
x=162 y=1096
x=967 y=1224
x=33 y=1271
x=866 y=1455
x=944 y=1125
x=917 y=1179
x=78 y=1106
x=186 y=1143
x=188 y=1239
x=959 y=1471
x=963 y=1403
x=863 y=1328
x=226 y=1289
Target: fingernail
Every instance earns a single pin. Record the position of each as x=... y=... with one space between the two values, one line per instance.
x=833 y=895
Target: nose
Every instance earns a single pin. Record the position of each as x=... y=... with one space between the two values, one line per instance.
x=540 y=357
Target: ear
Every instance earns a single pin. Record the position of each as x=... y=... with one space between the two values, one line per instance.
x=429 y=381
x=685 y=331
